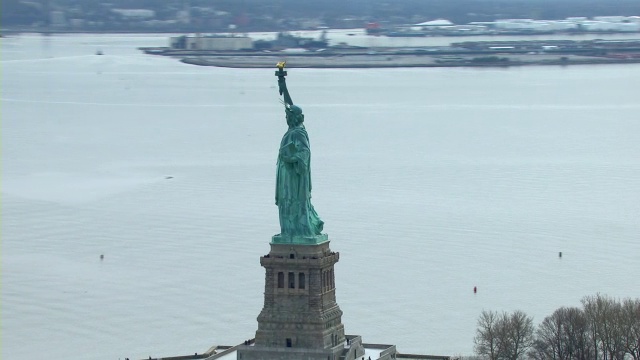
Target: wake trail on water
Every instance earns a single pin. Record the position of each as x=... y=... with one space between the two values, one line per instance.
x=134 y=104
x=482 y=106
x=49 y=59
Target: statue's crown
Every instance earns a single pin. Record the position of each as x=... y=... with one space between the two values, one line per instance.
x=294 y=109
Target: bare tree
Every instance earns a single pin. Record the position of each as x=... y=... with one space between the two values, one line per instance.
x=577 y=334
x=518 y=335
x=486 y=341
x=594 y=312
x=604 y=317
x=550 y=339
x=605 y=329
x=503 y=336
x=563 y=336
x=539 y=350
x=630 y=326
x=615 y=332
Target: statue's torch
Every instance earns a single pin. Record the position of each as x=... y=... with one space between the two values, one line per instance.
x=280 y=72
x=282 y=84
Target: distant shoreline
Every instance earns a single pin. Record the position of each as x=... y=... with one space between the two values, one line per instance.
x=515 y=33
x=399 y=61
x=499 y=53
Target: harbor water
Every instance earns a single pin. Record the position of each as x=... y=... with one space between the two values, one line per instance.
x=431 y=182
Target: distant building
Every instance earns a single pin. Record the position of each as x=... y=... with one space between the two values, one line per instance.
x=211 y=42
x=599 y=23
x=435 y=23
x=137 y=14
x=610 y=26
x=536 y=25
x=611 y=19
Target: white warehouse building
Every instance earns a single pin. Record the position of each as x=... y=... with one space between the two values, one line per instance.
x=612 y=19
x=534 y=25
x=610 y=26
x=599 y=23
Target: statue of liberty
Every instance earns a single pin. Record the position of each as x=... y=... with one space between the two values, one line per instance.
x=298 y=218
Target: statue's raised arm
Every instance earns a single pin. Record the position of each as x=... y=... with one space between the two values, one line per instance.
x=282 y=83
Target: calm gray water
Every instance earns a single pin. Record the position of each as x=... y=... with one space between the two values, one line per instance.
x=430 y=181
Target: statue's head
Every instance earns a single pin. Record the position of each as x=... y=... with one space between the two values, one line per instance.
x=294 y=114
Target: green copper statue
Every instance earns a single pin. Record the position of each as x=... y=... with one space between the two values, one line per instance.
x=299 y=222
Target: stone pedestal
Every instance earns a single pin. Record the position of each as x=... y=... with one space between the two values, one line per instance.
x=300 y=318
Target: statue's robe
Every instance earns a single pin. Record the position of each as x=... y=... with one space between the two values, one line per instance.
x=293 y=186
